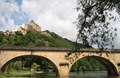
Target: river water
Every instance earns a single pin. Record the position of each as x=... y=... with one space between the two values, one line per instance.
x=88 y=74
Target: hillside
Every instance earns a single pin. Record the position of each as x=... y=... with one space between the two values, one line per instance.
x=32 y=38
x=31 y=35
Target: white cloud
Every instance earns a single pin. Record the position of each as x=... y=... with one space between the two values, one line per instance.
x=7 y=9
x=117 y=40
x=9 y=25
x=54 y=15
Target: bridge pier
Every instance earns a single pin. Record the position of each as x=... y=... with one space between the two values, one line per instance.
x=64 y=71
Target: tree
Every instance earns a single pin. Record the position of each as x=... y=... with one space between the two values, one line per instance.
x=93 y=21
x=35 y=66
x=8 y=68
x=1 y=37
x=18 y=65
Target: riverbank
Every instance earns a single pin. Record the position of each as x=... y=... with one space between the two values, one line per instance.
x=19 y=74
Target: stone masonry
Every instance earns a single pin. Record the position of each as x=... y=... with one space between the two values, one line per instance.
x=60 y=60
x=32 y=26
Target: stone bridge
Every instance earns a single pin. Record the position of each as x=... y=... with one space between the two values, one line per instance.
x=62 y=58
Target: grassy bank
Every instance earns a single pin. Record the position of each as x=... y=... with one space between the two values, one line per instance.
x=2 y=75
x=19 y=74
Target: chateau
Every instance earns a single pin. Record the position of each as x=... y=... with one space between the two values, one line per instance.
x=32 y=26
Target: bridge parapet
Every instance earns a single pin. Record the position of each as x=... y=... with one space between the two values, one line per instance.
x=28 y=48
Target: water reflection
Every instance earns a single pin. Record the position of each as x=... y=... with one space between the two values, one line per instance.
x=88 y=74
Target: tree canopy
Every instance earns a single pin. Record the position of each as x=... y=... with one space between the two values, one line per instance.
x=32 y=38
x=93 y=21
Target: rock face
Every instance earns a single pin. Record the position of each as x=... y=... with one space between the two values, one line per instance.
x=32 y=26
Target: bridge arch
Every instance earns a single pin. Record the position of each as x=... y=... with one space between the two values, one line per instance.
x=110 y=65
x=50 y=61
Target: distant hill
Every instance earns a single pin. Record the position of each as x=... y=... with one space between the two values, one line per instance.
x=31 y=35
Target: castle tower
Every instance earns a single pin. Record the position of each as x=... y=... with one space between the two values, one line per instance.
x=32 y=26
x=26 y=26
x=22 y=30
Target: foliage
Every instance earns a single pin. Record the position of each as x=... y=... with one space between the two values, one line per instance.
x=2 y=75
x=35 y=66
x=44 y=64
x=1 y=37
x=14 y=66
x=8 y=68
x=32 y=62
x=87 y=64
x=35 y=39
x=94 y=19
x=17 y=65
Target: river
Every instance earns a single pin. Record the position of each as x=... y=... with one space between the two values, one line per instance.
x=88 y=74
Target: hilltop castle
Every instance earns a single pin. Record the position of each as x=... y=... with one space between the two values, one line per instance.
x=32 y=26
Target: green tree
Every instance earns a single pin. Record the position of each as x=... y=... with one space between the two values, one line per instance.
x=1 y=37
x=18 y=33
x=2 y=75
x=17 y=65
x=35 y=66
x=87 y=64
x=94 y=19
x=5 y=41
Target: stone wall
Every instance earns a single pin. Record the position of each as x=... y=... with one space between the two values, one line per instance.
x=57 y=57
x=32 y=26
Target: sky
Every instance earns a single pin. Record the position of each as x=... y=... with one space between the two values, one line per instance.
x=54 y=15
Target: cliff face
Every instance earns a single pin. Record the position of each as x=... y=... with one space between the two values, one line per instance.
x=32 y=26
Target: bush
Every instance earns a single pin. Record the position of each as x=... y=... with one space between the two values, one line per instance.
x=17 y=65
x=35 y=66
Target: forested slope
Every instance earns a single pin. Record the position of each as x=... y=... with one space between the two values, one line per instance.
x=32 y=38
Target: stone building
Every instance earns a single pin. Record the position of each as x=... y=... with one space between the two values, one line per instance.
x=8 y=32
x=22 y=30
x=32 y=26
